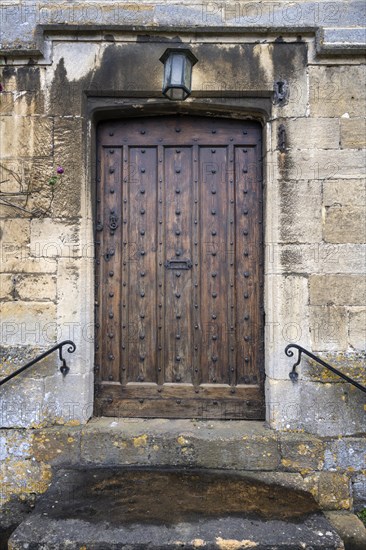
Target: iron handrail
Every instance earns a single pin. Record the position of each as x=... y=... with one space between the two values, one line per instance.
x=64 y=369
x=294 y=375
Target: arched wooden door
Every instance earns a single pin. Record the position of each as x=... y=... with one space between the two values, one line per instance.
x=179 y=274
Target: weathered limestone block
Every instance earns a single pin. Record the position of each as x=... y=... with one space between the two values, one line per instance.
x=322 y=164
x=72 y=71
x=349 y=527
x=6 y=287
x=37 y=174
x=21 y=91
x=334 y=491
x=28 y=287
x=69 y=153
x=335 y=91
x=28 y=181
x=26 y=83
x=36 y=287
x=328 y=327
x=286 y=320
x=272 y=193
x=300 y=211
x=14 y=357
x=350 y=363
x=55 y=238
x=14 y=232
x=12 y=177
x=26 y=136
x=353 y=133
x=28 y=323
x=308 y=133
x=24 y=78
x=317 y=408
x=344 y=192
x=22 y=402
x=256 y=453
x=28 y=103
x=359 y=491
x=3 y=449
x=21 y=477
x=207 y=14
x=345 y=224
x=17 y=444
x=357 y=328
x=337 y=290
x=8 y=80
x=348 y=454
x=7 y=103
x=301 y=453
x=56 y=446
x=317 y=258
x=75 y=310
x=68 y=399
x=18 y=260
x=68 y=138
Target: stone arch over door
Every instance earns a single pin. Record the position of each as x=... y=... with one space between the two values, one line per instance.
x=179 y=268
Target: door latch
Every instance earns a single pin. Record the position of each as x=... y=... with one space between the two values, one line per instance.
x=178 y=264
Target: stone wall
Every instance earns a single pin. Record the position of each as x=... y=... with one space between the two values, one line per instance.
x=63 y=62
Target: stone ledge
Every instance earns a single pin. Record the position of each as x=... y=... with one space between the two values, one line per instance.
x=346 y=41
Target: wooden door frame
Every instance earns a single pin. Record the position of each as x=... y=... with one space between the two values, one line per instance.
x=132 y=108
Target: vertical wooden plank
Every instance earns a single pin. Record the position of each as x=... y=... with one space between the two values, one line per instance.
x=255 y=265
x=110 y=261
x=160 y=268
x=178 y=282
x=142 y=264
x=196 y=333
x=233 y=328
x=98 y=251
x=127 y=251
x=247 y=269
x=214 y=238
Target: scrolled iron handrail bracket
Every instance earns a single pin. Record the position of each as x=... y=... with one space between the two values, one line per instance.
x=64 y=369
x=294 y=375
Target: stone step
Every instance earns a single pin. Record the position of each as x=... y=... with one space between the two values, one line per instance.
x=156 y=508
x=232 y=445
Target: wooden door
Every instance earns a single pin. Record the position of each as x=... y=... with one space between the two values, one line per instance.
x=179 y=274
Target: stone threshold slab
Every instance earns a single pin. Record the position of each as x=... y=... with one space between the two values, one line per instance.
x=236 y=445
x=209 y=444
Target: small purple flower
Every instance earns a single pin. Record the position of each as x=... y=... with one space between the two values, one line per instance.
x=60 y=170
x=1 y=87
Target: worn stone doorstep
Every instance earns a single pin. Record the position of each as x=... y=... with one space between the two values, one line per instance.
x=99 y=508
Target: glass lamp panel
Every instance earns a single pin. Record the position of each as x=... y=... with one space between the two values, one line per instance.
x=177 y=94
x=187 y=73
x=167 y=71
x=177 y=70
